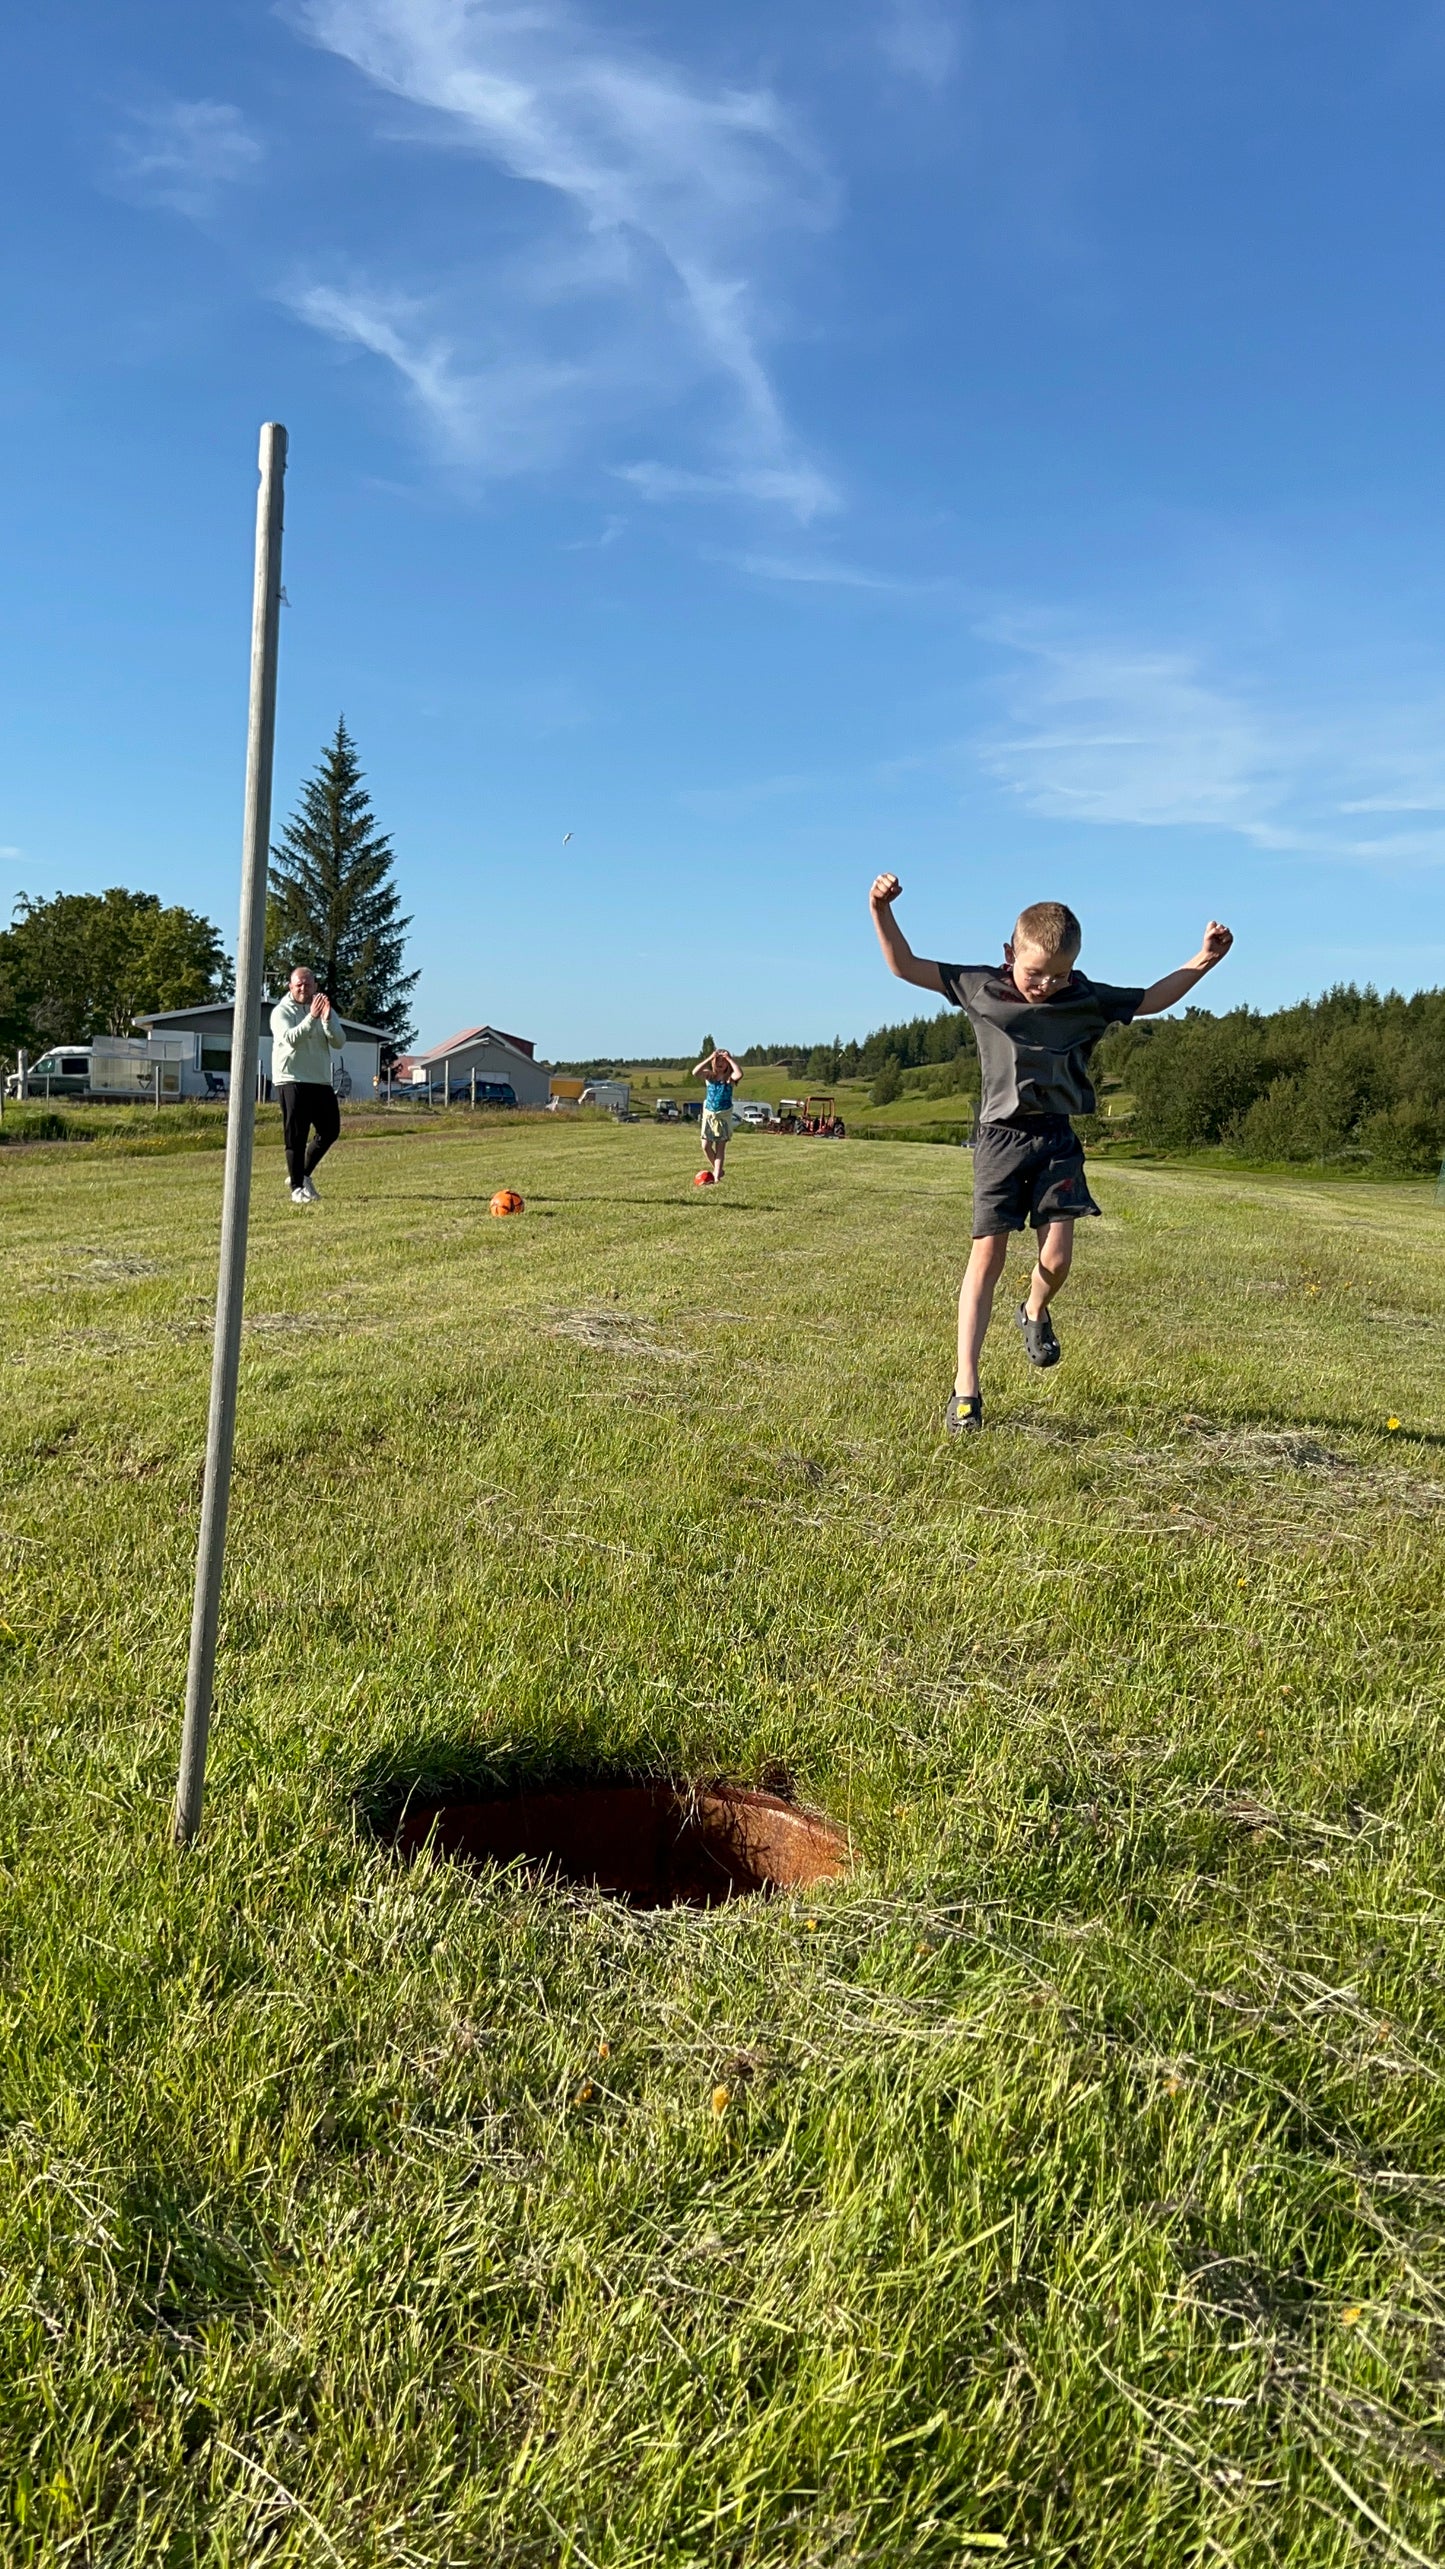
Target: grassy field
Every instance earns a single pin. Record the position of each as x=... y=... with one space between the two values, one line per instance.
x=914 y=1113
x=773 y=1080
x=1068 y=2183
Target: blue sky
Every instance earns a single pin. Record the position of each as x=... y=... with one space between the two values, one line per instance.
x=992 y=438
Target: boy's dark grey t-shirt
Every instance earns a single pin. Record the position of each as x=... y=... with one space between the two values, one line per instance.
x=1034 y=1057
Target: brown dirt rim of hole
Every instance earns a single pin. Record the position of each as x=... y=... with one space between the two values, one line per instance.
x=655 y=1845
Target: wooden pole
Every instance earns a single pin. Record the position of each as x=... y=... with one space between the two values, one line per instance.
x=240 y=1132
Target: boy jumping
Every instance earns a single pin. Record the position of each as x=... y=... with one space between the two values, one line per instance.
x=1037 y=1021
x=720 y=1073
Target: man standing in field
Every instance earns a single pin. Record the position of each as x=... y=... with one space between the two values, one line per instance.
x=719 y=1073
x=1037 y=1020
x=306 y=1037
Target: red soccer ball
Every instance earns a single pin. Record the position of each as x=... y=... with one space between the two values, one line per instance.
x=507 y=1200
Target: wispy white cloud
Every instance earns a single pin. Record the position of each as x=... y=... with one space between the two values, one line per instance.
x=186 y=153
x=17 y=852
x=1104 y=734
x=1112 y=735
x=611 y=534
x=825 y=571
x=488 y=416
x=923 y=39
x=667 y=203
x=797 y=487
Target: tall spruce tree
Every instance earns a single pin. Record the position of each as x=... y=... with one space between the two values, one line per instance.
x=332 y=903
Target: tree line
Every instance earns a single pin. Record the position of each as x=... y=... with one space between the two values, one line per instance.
x=1353 y=1076
x=90 y=963
x=940 y=1048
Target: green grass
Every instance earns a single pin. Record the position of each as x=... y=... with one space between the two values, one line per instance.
x=1080 y=2177
x=913 y=1116
x=139 y=1132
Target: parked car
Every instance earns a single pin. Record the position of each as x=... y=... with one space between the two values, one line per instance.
x=667 y=1110
x=490 y=1092
x=753 y=1111
x=63 y=1072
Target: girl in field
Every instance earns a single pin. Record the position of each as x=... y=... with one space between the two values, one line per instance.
x=720 y=1073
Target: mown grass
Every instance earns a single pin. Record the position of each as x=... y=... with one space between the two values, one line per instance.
x=1071 y=2177
x=139 y=1132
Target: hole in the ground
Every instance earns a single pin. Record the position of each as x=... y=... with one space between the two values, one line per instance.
x=655 y=1845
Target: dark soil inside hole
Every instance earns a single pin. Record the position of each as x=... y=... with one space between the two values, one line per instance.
x=655 y=1845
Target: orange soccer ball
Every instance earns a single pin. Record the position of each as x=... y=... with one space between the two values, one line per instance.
x=704 y=1177
x=507 y=1200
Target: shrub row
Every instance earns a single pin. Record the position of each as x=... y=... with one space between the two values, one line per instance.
x=1352 y=1076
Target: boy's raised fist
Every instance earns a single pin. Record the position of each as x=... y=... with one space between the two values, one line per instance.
x=886 y=888
x=1217 y=941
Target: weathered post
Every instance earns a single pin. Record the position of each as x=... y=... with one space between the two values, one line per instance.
x=240 y=1131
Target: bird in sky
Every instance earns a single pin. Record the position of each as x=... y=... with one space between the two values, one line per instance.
x=566 y=838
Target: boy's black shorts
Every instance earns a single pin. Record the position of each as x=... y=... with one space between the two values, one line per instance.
x=1028 y=1172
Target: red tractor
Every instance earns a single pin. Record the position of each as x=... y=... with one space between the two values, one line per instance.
x=810 y=1115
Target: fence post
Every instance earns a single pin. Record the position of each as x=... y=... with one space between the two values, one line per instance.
x=240 y=1133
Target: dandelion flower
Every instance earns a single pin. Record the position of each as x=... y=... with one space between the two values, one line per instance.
x=585 y=2093
x=1392 y=1424
x=1173 y=2086
x=604 y=2051
x=722 y=2098
x=1351 y=2316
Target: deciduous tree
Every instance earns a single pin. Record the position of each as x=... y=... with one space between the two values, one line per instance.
x=90 y=963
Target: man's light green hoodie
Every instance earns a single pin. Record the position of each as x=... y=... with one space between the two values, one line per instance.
x=303 y=1046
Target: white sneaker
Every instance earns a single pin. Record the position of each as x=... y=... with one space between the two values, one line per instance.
x=310 y=1191
x=299 y=1195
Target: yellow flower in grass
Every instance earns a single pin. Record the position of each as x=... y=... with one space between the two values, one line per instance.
x=722 y=2098
x=1351 y=2315
x=1392 y=1424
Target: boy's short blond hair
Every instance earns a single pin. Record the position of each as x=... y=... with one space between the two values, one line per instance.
x=1050 y=927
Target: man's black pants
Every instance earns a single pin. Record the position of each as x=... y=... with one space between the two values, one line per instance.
x=307 y=1106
